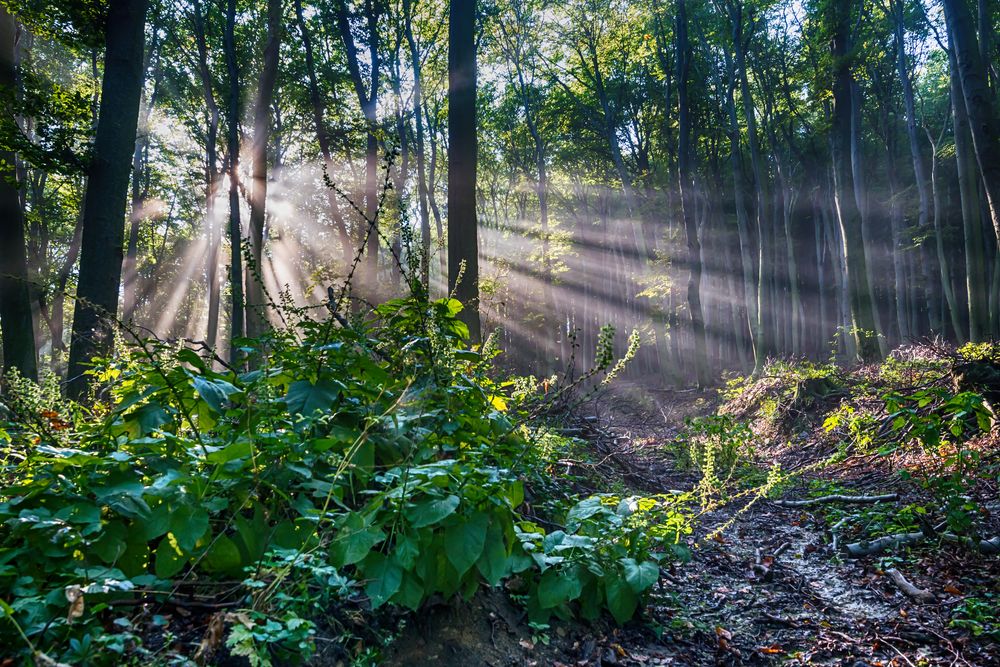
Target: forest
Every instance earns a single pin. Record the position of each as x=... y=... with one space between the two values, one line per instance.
x=509 y=332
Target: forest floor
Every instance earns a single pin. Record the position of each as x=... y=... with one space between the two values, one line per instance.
x=769 y=588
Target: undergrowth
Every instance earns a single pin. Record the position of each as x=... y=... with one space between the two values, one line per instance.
x=362 y=463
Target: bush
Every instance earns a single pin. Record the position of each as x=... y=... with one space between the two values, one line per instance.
x=376 y=461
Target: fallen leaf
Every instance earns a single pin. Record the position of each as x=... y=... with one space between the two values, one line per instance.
x=74 y=595
x=212 y=639
x=527 y=644
x=951 y=589
x=773 y=649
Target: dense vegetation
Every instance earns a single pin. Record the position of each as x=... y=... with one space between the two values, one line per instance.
x=310 y=311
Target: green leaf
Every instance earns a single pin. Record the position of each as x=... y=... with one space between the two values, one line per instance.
x=464 y=542
x=235 y=450
x=640 y=576
x=112 y=542
x=429 y=512
x=494 y=564
x=410 y=593
x=354 y=541
x=622 y=600
x=215 y=393
x=558 y=586
x=223 y=556
x=305 y=398
x=384 y=575
x=169 y=558
x=188 y=525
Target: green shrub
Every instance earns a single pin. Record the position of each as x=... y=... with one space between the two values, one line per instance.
x=376 y=460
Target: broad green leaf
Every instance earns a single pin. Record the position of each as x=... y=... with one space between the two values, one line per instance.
x=223 y=556
x=169 y=558
x=622 y=600
x=410 y=593
x=428 y=512
x=464 y=542
x=384 y=578
x=215 y=393
x=231 y=452
x=188 y=524
x=353 y=541
x=640 y=576
x=494 y=564
x=559 y=585
x=305 y=398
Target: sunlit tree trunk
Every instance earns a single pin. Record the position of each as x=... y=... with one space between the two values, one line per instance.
x=686 y=189
x=740 y=197
x=237 y=317
x=418 y=96
x=213 y=228
x=16 y=323
x=368 y=99
x=256 y=298
x=322 y=133
x=140 y=186
x=107 y=186
x=863 y=324
x=463 y=237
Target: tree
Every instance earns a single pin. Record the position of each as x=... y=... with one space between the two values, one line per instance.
x=101 y=251
x=237 y=320
x=686 y=187
x=463 y=233
x=16 y=323
x=864 y=331
x=257 y=316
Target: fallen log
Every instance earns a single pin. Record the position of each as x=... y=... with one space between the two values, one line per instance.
x=909 y=589
x=877 y=546
x=838 y=498
x=988 y=547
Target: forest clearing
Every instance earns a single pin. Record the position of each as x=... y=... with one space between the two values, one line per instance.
x=509 y=332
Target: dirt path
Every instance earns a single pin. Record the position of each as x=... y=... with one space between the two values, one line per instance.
x=769 y=590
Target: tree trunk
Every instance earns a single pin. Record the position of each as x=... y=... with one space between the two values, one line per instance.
x=15 y=299
x=686 y=191
x=418 y=96
x=107 y=185
x=978 y=102
x=237 y=319
x=256 y=297
x=863 y=326
x=463 y=234
x=213 y=228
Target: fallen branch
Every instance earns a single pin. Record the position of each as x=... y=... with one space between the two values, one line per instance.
x=909 y=589
x=987 y=547
x=877 y=546
x=838 y=498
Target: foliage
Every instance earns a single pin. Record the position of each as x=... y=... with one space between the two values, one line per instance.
x=377 y=461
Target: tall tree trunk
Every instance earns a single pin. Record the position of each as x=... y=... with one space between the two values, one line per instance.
x=368 y=99
x=213 y=228
x=15 y=299
x=237 y=318
x=686 y=191
x=256 y=297
x=978 y=102
x=463 y=233
x=972 y=222
x=418 y=96
x=863 y=324
x=140 y=187
x=107 y=186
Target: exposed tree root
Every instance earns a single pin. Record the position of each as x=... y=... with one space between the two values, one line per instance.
x=838 y=498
